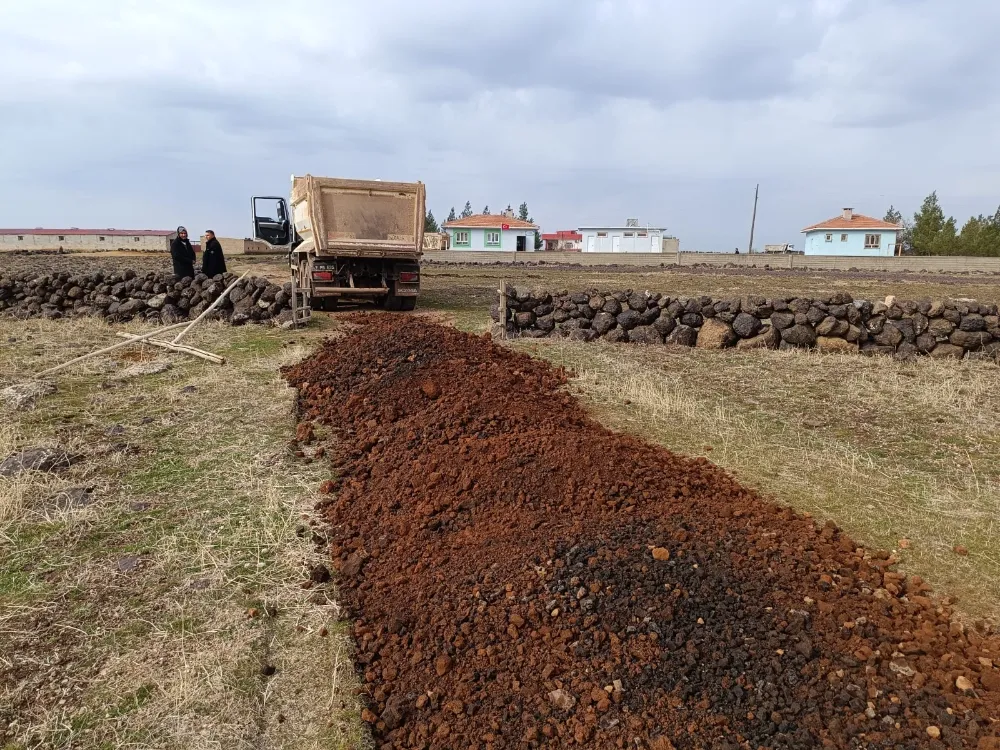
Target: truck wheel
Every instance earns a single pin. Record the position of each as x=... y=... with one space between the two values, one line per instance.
x=407 y=303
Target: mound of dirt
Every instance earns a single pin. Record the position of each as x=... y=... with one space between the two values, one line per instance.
x=521 y=576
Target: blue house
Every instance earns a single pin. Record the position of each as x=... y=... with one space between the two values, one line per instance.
x=491 y=232
x=852 y=234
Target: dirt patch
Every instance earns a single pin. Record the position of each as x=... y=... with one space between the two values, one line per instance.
x=521 y=576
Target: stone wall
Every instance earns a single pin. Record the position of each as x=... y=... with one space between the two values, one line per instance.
x=834 y=323
x=154 y=296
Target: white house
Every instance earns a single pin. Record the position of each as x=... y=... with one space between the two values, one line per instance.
x=491 y=232
x=630 y=238
x=90 y=240
x=851 y=234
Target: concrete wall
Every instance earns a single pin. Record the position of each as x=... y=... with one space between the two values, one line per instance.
x=937 y=263
x=594 y=243
x=477 y=240
x=84 y=242
x=849 y=242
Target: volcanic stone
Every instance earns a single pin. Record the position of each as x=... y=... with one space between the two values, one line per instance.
x=747 y=326
x=799 y=335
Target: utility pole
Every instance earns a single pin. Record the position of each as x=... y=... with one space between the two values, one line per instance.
x=753 y=222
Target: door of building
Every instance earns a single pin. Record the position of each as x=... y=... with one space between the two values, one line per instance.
x=655 y=244
x=522 y=243
x=616 y=244
x=590 y=243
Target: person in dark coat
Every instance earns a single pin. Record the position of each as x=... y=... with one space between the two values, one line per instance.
x=213 y=262
x=182 y=254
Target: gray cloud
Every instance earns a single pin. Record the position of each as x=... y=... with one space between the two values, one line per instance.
x=154 y=113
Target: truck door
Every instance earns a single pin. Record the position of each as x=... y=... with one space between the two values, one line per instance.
x=270 y=220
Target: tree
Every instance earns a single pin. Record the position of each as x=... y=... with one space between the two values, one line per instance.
x=467 y=211
x=932 y=233
x=486 y=211
x=980 y=236
x=522 y=212
x=451 y=215
x=430 y=223
x=905 y=235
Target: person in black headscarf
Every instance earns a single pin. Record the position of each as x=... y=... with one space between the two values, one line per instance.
x=213 y=262
x=182 y=254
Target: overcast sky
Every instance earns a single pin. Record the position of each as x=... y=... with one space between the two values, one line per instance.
x=147 y=114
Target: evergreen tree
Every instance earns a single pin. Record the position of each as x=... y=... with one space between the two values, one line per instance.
x=522 y=212
x=467 y=211
x=430 y=223
x=928 y=227
x=451 y=215
x=486 y=211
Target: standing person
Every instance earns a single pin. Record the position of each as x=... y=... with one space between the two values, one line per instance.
x=213 y=262
x=182 y=254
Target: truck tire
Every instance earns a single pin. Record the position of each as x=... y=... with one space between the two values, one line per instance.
x=407 y=303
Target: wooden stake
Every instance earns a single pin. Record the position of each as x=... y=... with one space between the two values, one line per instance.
x=182 y=348
x=111 y=348
x=218 y=301
x=503 y=309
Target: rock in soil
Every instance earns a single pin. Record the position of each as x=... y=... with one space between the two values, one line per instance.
x=143 y=368
x=22 y=396
x=35 y=459
x=495 y=551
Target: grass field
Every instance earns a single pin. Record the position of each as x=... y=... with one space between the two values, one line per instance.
x=143 y=618
x=146 y=617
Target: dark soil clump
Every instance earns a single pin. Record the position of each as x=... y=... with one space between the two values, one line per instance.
x=522 y=577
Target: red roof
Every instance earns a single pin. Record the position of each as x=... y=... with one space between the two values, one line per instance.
x=857 y=221
x=106 y=232
x=489 y=221
x=564 y=234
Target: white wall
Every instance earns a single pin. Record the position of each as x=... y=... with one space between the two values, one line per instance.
x=91 y=242
x=651 y=243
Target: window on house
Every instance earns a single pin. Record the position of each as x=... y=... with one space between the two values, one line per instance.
x=100 y=239
x=602 y=234
x=843 y=238
x=20 y=238
x=136 y=239
x=642 y=234
x=62 y=238
x=873 y=240
x=829 y=238
x=629 y=234
x=493 y=239
x=461 y=238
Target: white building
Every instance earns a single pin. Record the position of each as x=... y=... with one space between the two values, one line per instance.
x=88 y=240
x=630 y=238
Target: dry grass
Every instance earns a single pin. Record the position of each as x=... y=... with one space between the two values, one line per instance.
x=889 y=450
x=200 y=488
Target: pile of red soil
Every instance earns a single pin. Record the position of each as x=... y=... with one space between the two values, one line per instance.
x=521 y=576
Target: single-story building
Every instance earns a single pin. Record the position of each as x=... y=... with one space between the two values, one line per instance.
x=435 y=241
x=852 y=234
x=491 y=232
x=87 y=240
x=565 y=240
x=630 y=238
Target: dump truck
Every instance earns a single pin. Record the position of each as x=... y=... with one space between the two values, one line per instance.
x=348 y=239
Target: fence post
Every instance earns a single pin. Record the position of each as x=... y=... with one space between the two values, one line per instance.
x=503 y=309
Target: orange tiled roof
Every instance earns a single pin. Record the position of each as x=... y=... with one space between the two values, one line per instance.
x=489 y=221
x=857 y=221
